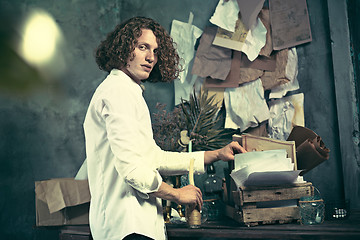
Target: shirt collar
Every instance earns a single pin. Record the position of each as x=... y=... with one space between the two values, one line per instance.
x=118 y=72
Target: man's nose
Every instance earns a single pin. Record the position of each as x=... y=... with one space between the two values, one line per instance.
x=150 y=57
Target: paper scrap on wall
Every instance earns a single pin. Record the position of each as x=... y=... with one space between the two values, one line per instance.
x=225 y=15
x=185 y=36
x=245 y=106
x=289 y=23
x=210 y=60
x=271 y=79
x=255 y=40
x=285 y=113
x=291 y=72
x=247 y=41
x=250 y=10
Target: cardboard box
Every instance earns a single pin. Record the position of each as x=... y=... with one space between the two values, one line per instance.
x=62 y=201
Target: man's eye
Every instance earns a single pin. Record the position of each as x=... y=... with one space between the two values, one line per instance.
x=142 y=47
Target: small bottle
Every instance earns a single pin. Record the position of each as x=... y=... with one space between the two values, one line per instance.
x=212 y=193
x=213 y=183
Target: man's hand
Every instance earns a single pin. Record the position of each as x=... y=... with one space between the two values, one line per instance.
x=226 y=153
x=189 y=195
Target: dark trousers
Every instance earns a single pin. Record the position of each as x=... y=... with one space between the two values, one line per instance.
x=135 y=236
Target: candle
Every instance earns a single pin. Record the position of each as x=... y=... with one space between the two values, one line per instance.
x=194 y=215
x=190 y=146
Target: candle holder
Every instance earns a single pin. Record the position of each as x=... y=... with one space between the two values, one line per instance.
x=167 y=214
x=193 y=217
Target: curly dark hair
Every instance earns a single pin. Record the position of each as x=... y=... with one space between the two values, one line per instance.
x=118 y=47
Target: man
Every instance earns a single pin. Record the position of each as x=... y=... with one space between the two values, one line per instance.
x=124 y=163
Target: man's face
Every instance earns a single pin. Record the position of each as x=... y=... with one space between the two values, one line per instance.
x=145 y=58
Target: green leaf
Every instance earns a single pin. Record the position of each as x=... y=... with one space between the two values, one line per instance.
x=202 y=121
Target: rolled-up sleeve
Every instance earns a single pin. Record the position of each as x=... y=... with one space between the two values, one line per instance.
x=174 y=163
x=141 y=182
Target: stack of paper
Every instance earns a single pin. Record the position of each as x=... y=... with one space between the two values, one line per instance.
x=271 y=167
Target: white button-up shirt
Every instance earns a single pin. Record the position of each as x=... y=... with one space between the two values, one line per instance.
x=124 y=162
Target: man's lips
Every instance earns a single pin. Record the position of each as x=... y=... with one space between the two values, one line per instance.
x=147 y=67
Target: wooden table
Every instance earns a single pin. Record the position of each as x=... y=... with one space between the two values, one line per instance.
x=344 y=229
x=229 y=229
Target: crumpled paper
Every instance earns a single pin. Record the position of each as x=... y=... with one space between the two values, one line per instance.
x=185 y=36
x=245 y=106
x=225 y=15
x=255 y=40
x=284 y=114
x=291 y=72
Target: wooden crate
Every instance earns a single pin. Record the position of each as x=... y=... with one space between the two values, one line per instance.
x=247 y=201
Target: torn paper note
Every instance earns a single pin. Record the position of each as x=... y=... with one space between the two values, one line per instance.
x=232 y=40
x=290 y=23
x=261 y=63
x=237 y=75
x=211 y=60
x=265 y=19
x=232 y=79
x=255 y=40
x=245 y=106
x=217 y=94
x=249 y=74
x=225 y=15
x=185 y=36
x=291 y=72
x=285 y=113
x=243 y=74
x=272 y=79
x=281 y=115
x=250 y=10
x=249 y=42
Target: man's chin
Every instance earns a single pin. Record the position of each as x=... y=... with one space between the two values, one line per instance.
x=145 y=76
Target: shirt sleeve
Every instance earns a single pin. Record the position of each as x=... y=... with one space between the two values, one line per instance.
x=174 y=163
x=120 y=110
x=122 y=134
